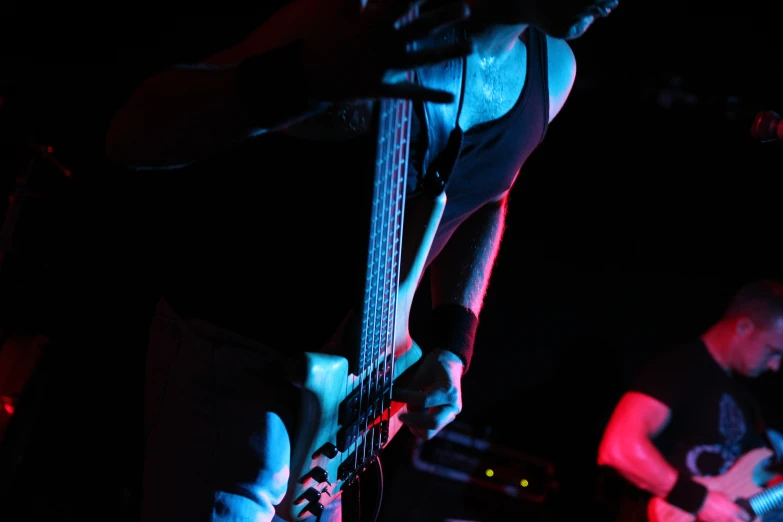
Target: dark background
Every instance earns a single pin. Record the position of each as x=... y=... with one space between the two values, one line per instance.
x=647 y=205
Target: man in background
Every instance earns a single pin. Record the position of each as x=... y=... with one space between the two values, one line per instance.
x=688 y=414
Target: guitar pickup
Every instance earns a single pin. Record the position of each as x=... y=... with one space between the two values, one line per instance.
x=349 y=432
x=351 y=407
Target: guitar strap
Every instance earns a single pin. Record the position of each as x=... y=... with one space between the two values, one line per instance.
x=439 y=124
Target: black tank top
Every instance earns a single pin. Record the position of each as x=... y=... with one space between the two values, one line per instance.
x=231 y=260
x=489 y=155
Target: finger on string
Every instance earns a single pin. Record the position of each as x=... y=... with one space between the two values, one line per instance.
x=434 y=22
x=434 y=419
x=413 y=92
x=432 y=398
x=427 y=425
x=432 y=56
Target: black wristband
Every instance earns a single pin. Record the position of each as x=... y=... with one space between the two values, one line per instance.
x=274 y=88
x=454 y=329
x=687 y=494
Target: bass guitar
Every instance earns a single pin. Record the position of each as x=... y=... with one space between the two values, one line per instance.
x=744 y=482
x=347 y=412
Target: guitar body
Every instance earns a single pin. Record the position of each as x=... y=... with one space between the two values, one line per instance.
x=325 y=381
x=744 y=479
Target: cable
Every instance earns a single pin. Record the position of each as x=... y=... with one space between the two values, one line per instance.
x=379 y=498
x=379 y=469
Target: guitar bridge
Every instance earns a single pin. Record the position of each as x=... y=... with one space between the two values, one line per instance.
x=359 y=459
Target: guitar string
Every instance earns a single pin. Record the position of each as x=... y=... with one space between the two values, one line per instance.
x=406 y=107
x=382 y=276
x=397 y=208
x=390 y=305
x=374 y=275
x=402 y=129
x=389 y=289
x=384 y=294
x=368 y=339
x=383 y=373
x=377 y=277
x=367 y=333
x=378 y=255
x=388 y=283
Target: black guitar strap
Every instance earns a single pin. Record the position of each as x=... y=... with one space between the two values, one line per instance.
x=440 y=119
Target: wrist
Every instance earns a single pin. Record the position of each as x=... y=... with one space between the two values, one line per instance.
x=687 y=494
x=454 y=330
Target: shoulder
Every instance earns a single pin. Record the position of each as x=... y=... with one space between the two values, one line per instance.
x=664 y=377
x=672 y=359
x=561 y=70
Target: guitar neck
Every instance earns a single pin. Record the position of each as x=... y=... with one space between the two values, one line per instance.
x=767 y=500
x=382 y=271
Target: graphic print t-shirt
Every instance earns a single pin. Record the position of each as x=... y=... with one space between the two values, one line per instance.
x=713 y=420
x=713 y=423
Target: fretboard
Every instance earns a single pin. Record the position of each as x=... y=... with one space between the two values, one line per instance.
x=392 y=124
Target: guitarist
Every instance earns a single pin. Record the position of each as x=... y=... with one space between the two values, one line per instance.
x=687 y=415
x=259 y=236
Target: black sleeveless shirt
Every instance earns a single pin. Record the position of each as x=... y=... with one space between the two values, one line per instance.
x=490 y=154
x=231 y=259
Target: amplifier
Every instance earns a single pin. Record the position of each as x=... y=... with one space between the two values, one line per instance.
x=456 y=455
x=458 y=477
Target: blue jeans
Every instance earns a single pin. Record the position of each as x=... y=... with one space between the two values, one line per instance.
x=217 y=418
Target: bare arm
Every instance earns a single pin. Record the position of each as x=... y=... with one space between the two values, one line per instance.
x=627 y=443
x=461 y=272
x=460 y=275
x=188 y=113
